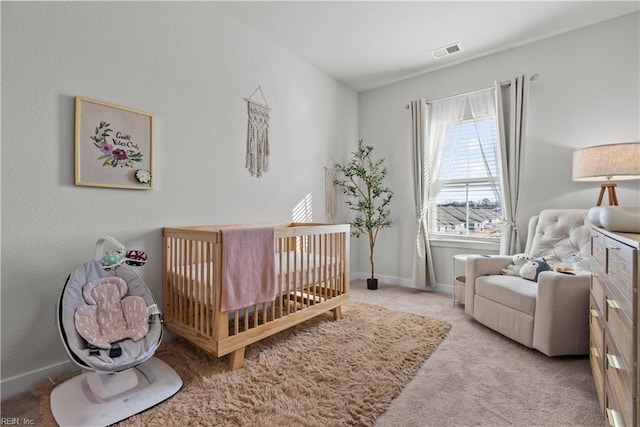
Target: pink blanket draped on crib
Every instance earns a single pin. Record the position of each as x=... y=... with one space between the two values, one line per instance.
x=248 y=267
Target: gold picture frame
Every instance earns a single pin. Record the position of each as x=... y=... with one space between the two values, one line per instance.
x=114 y=146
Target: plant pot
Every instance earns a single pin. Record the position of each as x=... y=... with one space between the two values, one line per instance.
x=372 y=284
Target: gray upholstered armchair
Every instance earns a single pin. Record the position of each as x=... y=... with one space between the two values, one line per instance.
x=550 y=315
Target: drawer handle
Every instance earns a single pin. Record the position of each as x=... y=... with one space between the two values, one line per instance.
x=615 y=418
x=595 y=313
x=595 y=275
x=613 y=304
x=594 y=353
x=613 y=248
x=614 y=361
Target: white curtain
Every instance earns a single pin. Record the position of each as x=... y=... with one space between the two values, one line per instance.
x=512 y=102
x=482 y=104
x=422 y=260
x=430 y=122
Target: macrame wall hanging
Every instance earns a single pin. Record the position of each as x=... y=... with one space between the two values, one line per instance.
x=257 y=135
x=331 y=193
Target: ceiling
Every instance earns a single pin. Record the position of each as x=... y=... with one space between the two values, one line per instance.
x=367 y=44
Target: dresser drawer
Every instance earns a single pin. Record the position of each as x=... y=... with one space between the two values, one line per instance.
x=597 y=248
x=596 y=324
x=620 y=330
x=596 y=361
x=597 y=292
x=619 y=265
x=598 y=377
x=615 y=298
x=619 y=382
x=612 y=413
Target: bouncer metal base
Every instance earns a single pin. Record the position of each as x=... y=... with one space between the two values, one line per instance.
x=74 y=404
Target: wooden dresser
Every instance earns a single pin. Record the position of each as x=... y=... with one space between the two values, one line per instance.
x=614 y=319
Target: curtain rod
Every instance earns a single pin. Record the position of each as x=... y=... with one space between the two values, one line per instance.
x=505 y=83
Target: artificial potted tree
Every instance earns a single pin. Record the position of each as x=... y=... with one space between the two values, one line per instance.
x=362 y=183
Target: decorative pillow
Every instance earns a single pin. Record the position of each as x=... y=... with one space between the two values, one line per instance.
x=532 y=269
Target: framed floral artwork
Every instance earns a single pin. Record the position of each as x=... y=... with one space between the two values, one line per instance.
x=114 y=146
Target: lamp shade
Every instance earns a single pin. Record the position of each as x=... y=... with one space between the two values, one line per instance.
x=614 y=162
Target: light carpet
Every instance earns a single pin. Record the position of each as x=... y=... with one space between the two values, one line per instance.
x=319 y=373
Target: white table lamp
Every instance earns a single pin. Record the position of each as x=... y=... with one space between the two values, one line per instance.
x=612 y=162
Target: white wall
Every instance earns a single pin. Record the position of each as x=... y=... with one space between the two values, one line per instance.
x=191 y=66
x=587 y=94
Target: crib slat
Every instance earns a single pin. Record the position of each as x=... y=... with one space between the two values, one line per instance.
x=273 y=309
x=332 y=258
x=307 y=282
x=236 y=323
x=318 y=281
x=179 y=279
x=281 y=276
x=332 y=265
x=323 y=256
x=174 y=283
x=326 y=264
x=325 y=271
x=167 y=277
x=206 y=299
x=339 y=264
x=196 y=282
x=181 y=283
x=256 y=310
x=212 y=283
x=200 y=300
x=295 y=277
x=287 y=277
x=185 y=287
x=168 y=267
x=331 y=261
x=314 y=271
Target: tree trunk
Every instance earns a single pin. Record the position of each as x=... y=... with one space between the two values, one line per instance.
x=371 y=244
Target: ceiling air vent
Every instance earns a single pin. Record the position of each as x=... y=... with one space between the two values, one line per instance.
x=446 y=51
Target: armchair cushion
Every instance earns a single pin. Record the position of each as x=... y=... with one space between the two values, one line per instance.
x=559 y=235
x=514 y=292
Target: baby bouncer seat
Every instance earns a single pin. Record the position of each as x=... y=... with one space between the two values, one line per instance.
x=111 y=326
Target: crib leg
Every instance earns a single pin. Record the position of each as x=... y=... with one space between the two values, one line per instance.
x=337 y=313
x=237 y=359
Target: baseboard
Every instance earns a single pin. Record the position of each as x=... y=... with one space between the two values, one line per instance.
x=24 y=382
x=407 y=283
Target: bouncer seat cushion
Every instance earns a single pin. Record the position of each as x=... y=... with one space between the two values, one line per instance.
x=110 y=316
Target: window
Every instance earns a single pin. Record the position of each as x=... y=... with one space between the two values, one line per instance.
x=464 y=194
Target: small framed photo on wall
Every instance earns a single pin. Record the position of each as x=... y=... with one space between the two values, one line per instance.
x=113 y=146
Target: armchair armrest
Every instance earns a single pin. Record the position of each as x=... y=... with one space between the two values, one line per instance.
x=478 y=265
x=561 y=325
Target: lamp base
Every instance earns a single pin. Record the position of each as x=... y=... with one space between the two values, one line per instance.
x=611 y=192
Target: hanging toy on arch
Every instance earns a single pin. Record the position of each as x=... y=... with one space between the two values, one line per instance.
x=114 y=258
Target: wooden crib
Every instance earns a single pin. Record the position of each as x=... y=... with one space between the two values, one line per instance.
x=312 y=277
